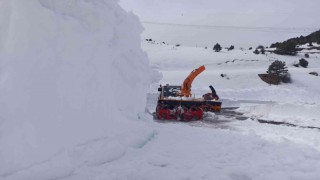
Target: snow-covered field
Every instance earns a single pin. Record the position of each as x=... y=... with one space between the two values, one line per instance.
x=296 y=103
x=74 y=83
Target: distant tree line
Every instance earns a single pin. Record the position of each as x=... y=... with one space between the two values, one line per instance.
x=289 y=47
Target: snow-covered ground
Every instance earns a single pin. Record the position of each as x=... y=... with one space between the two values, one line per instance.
x=73 y=89
x=296 y=103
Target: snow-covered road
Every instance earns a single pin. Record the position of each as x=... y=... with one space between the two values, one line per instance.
x=274 y=130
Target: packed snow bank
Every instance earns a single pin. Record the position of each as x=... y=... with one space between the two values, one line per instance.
x=71 y=71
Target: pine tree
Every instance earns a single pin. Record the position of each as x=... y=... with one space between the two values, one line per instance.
x=262 y=49
x=256 y=51
x=287 y=48
x=217 y=47
x=304 y=63
x=231 y=48
x=306 y=55
x=278 y=68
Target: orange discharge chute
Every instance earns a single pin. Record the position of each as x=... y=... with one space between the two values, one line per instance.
x=186 y=86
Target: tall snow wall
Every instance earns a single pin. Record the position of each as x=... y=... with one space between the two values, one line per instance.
x=71 y=71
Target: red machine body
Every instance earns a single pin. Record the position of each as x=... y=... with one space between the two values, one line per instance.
x=177 y=103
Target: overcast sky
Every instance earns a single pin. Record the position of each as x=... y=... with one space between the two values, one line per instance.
x=277 y=15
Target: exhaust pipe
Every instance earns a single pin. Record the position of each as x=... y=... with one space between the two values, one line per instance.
x=214 y=94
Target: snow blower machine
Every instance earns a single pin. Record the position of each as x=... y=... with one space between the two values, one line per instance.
x=177 y=102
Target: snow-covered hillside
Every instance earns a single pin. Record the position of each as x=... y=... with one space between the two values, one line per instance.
x=73 y=90
x=241 y=69
x=296 y=103
x=241 y=23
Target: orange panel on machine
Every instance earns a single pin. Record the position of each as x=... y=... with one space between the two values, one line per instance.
x=186 y=86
